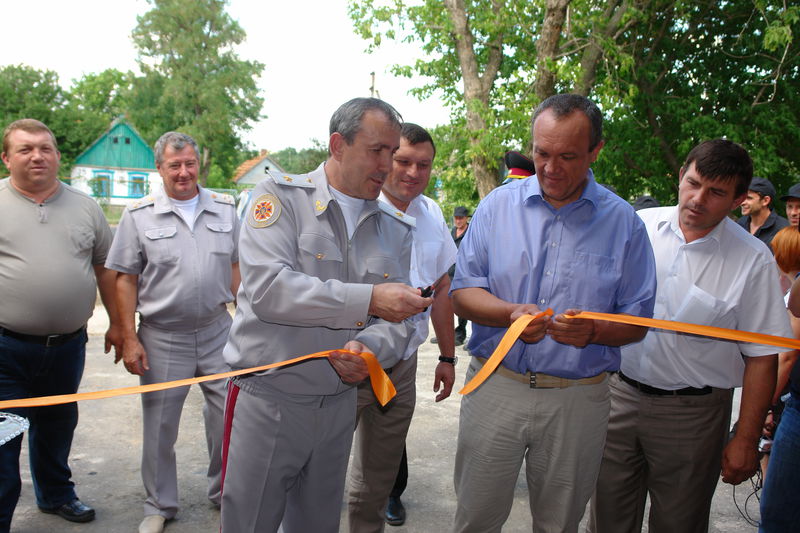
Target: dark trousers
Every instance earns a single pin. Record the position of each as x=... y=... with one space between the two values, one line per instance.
x=402 y=477
x=462 y=326
x=29 y=370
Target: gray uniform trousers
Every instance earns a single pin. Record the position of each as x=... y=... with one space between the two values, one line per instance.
x=287 y=461
x=171 y=356
x=378 y=447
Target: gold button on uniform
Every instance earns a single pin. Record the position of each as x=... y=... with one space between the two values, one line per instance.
x=385 y=275
x=359 y=324
x=320 y=256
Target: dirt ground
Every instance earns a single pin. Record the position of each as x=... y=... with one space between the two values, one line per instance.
x=107 y=451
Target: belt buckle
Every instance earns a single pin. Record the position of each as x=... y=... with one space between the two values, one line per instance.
x=51 y=339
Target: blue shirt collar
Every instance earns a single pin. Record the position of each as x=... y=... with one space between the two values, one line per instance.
x=591 y=191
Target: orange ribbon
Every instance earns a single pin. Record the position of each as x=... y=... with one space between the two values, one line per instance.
x=696 y=329
x=382 y=386
x=522 y=322
x=508 y=340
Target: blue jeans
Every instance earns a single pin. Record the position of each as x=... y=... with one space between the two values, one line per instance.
x=780 y=500
x=29 y=370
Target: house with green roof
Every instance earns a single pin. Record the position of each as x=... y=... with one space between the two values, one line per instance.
x=118 y=168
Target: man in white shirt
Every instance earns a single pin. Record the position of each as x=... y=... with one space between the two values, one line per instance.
x=671 y=401
x=381 y=431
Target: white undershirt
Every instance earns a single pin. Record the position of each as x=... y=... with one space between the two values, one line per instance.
x=351 y=209
x=187 y=209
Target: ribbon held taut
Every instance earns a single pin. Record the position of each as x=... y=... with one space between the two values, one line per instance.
x=382 y=386
x=522 y=322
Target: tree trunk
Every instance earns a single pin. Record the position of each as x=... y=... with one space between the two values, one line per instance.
x=594 y=52
x=547 y=46
x=205 y=166
x=476 y=87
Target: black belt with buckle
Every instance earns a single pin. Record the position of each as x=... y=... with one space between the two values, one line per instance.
x=647 y=389
x=44 y=340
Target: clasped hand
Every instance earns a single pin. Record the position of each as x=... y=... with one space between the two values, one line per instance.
x=573 y=331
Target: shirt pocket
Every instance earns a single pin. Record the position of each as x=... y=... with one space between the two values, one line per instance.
x=82 y=239
x=220 y=237
x=319 y=256
x=161 y=245
x=700 y=307
x=382 y=269
x=593 y=282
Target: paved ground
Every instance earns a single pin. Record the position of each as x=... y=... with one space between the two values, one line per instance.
x=107 y=451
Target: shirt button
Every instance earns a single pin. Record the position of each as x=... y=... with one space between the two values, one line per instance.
x=541 y=301
x=320 y=256
x=549 y=273
x=359 y=324
x=553 y=244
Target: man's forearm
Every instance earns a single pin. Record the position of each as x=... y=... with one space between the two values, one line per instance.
x=613 y=334
x=108 y=295
x=127 y=292
x=481 y=306
x=442 y=317
x=759 y=384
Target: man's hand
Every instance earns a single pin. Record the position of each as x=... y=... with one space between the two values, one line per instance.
x=536 y=329
x=739 y=460
x=396 y=301
x=134 y=357
x=351 y=368
x=445 y=375
x=114 y=338
x=573 y=331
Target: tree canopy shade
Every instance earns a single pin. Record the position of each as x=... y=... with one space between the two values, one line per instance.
x=187 y=56
x=666 y=73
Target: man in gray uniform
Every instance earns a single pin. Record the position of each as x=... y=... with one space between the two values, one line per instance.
x=176 y=254
x=324 y=266
x=52 y=248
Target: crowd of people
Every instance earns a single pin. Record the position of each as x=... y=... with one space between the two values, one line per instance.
x=352 y=257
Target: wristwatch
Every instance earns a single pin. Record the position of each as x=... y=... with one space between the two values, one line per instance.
x=451 y=360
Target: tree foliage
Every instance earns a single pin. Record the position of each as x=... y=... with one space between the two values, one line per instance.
x=301 y=161
x=667 y=74
x=203 y=88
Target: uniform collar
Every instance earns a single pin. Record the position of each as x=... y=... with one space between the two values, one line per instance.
x=322 y=197
x=163 y=204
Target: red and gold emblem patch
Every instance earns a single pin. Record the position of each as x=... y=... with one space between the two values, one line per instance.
x=265 y=211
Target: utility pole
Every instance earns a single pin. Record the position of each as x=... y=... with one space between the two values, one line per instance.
x=372 y=91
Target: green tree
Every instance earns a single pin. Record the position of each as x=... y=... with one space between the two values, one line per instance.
x=302 y=161
x=701 y=70
x=26 y=92
x=203 y=87
x=494 y=60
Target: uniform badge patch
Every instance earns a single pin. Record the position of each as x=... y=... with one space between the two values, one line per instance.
x=265 y=211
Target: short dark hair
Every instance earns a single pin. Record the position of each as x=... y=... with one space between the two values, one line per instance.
x=30 y=125
x=722 y=160
x=347 y=119
x=565 y=104
x=416 y=134
x=177 y=141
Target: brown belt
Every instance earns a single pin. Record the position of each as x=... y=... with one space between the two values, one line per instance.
x=537 y=380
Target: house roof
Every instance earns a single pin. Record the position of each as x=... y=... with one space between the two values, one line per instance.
x=120 y=146
x=250 y=164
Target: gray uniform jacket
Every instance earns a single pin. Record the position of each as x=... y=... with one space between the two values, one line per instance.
x=306 y=287
x=184 y=274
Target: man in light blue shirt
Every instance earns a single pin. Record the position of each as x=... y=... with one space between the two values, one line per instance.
x=564 y=242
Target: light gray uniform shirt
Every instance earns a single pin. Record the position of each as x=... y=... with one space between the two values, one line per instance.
x=306 y=287
x=184 y=274
x=47 y=251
